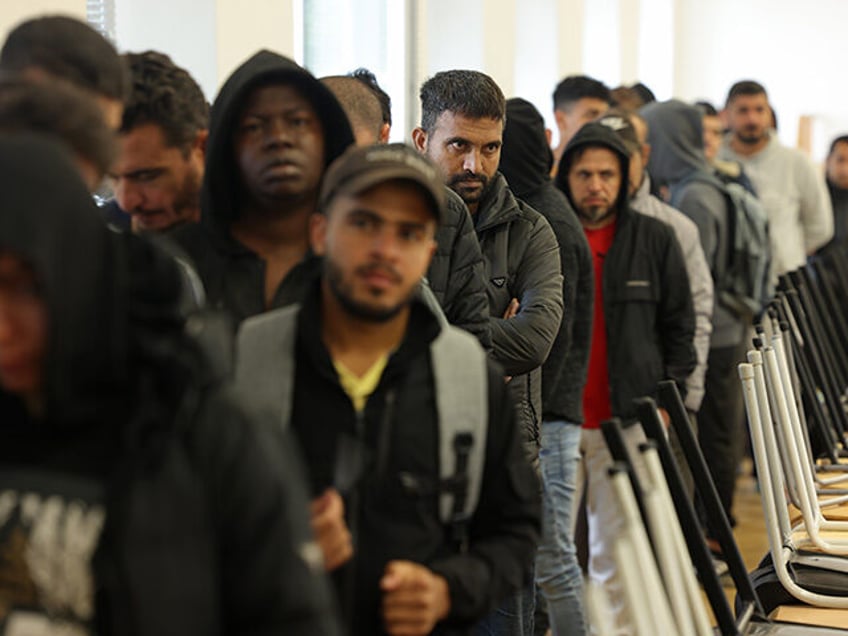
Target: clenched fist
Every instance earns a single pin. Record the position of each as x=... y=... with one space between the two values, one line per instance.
x=414 y=599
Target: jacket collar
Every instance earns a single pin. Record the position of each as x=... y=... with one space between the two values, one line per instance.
x=498 y=205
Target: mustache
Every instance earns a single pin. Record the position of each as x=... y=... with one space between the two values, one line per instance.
x=468 y=177
x=380 y=268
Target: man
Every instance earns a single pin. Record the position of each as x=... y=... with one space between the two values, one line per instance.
x=578 y=99
x=462 y=121
x=726 y=171
x=361 y=106
x=274 y=129
x=57 y=46
x=526 y=161
x=789 y=186
x=370 y=80
x=361 y=369
x=162 y=141
x=65 y=113
x=455 y=275
x=138 y=496
x=677 y=159
x=643 y=323
x=633 y=132
x=837 y=185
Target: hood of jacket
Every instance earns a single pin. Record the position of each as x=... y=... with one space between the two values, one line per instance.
x=675 y=132
x=107 y=295
x=597 y=135
x=220 y=194
x=526 y=157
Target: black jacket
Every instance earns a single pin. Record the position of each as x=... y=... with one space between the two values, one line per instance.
x=526 y=162
x=648 y=309
x=399 y=435
x=204 y=516
x=456 y=272
x=233 y=275
x=522 y=261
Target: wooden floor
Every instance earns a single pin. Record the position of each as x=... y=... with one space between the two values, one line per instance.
x=750 y=533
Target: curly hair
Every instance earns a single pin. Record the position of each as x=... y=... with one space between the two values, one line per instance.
x=166 y=95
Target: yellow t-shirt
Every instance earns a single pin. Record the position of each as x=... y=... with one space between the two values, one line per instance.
x=358 y=388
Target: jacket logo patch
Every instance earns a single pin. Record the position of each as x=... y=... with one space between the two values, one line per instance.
x=499 y=282
x=638 y=283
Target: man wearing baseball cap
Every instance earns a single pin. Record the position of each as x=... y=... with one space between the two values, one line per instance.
x=400 y=413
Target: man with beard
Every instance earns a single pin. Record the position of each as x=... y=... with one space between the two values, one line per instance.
x=371 y=382
x=455 y=275
x=462 y=122
x=643 y=326
x=274 y=130
x=788 y=184
x=162 y=146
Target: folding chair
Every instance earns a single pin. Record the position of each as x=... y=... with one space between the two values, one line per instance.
x=750 y=617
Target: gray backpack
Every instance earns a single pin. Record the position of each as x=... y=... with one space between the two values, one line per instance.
x=266 y=368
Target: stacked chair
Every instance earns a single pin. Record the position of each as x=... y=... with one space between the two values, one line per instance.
x=795 y=384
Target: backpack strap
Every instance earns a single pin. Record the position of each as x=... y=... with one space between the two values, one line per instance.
x=265 y=372
x=266 y=362
x=460 y=376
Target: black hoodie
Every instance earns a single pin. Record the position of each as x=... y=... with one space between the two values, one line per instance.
x=647 y=300
x=233 y=275
x=193 y=521
x=526 y=162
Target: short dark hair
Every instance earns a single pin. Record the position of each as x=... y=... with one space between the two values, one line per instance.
x=370 y=80
x=744 y=87
x=59 y=110
x=166 y=95
x=69 y=49
x=707 y=109
x=575 y=87
x=842 y=139
x=359 y=102
x=469 y=93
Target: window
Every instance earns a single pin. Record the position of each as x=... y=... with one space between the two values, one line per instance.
x=100 y=14
x=339 y=37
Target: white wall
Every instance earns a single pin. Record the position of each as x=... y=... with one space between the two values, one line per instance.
x=797 y=50
x=686 y=48
x=13 y=12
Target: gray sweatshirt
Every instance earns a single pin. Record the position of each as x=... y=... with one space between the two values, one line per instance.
x=677 y=153
x=700 y=280
x=794 y=196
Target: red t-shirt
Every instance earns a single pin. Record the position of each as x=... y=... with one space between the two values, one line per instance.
x=596 y=394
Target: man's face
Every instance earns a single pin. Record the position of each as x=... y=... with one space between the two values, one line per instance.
x=581 y=112
x=837 y=166
x=23 y=328
x=749 y=118
x=713 y=131
x=279 y=145
x=157 y=184
x=594 y=180
x=376 y=247
x=467 y=150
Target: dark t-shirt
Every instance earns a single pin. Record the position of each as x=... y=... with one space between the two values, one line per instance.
x=50 y=525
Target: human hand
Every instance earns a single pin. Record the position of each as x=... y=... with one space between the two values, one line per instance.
x=331 y=532
x=414 y=599
x=512 y=309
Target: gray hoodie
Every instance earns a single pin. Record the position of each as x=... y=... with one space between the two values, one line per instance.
x=677 y=155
